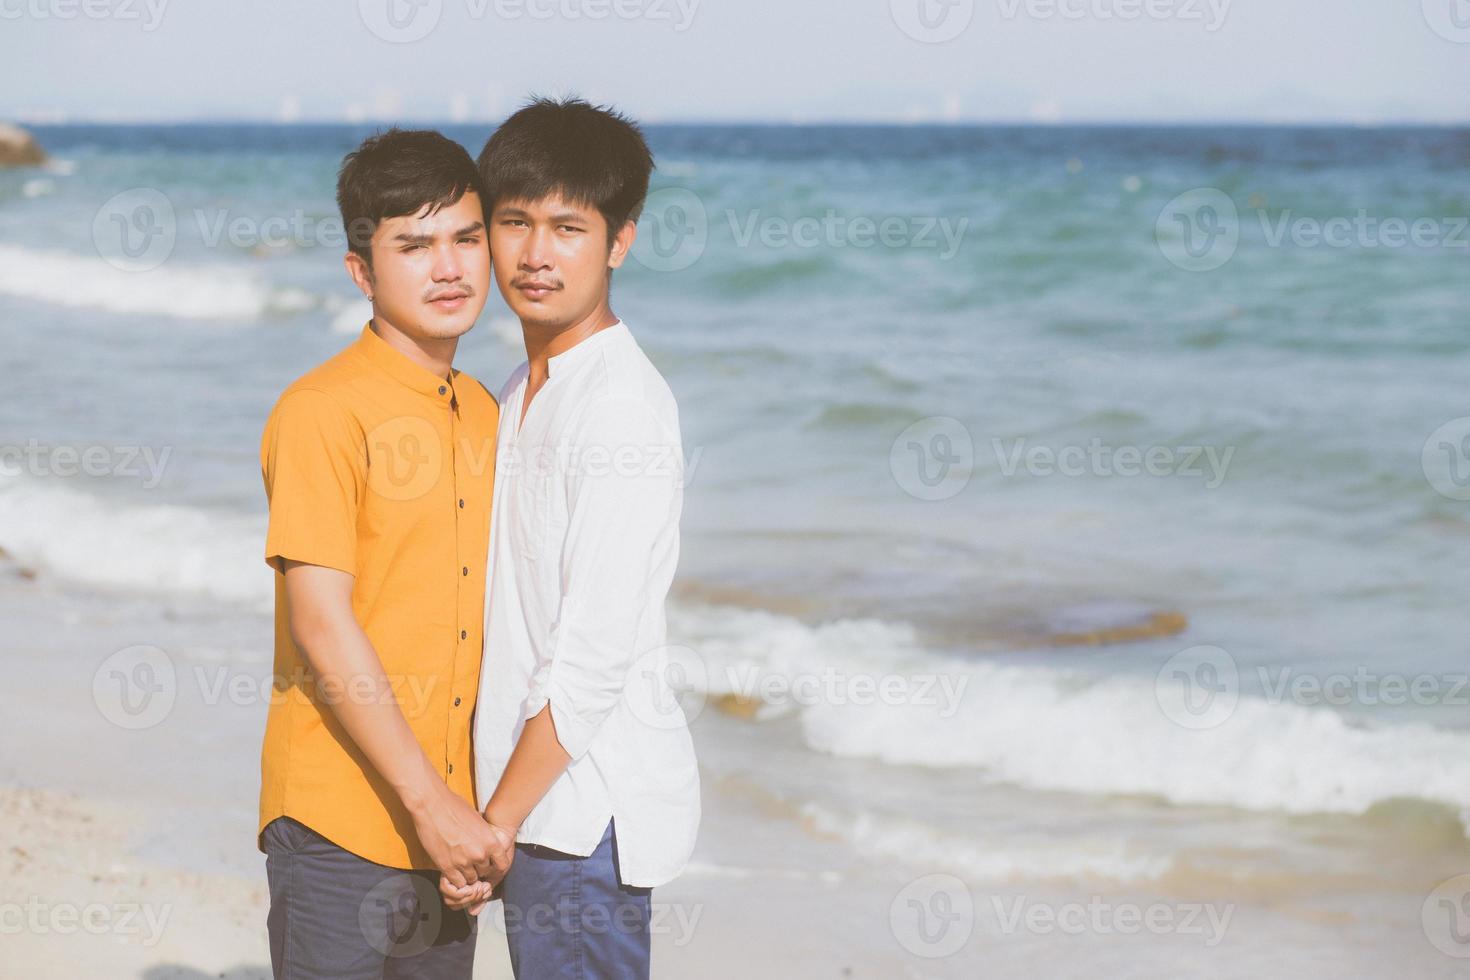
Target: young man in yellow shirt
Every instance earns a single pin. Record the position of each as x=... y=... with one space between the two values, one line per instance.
x=378 y=465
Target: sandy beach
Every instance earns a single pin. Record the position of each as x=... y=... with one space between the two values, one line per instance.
x=129 y=851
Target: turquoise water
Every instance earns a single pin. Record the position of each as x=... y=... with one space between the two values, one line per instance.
x=1036 y=289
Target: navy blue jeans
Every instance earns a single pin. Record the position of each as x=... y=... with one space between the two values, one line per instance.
x=569 y=918
x=335 y=916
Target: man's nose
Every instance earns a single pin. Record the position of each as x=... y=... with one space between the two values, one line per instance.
x=447 y=265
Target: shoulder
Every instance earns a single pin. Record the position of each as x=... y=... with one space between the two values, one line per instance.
x=627 y=384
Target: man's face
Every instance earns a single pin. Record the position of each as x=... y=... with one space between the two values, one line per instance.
x=430 y=273
x=552 y=259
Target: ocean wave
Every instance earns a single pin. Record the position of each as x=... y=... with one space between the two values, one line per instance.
x=202 y=292
x=886 y=838
x=1052 y=729
x=161 y=548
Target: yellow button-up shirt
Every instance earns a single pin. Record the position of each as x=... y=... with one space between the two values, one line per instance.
x=375 y=466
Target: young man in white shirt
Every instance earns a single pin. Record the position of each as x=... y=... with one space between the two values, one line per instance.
x=581 y=750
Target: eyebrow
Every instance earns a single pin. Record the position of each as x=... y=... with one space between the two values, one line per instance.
x=409 y=238
x=561 y=217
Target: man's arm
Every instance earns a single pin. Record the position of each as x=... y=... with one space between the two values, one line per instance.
x=357 y=690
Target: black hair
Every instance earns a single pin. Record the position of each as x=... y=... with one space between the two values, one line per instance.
x=398 y=172
x=590 y=155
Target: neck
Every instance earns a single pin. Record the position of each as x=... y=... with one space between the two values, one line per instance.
x=433 y=354
x=545 y=342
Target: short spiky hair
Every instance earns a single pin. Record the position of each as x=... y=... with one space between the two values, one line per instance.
x=589 y=154
x=401 y=171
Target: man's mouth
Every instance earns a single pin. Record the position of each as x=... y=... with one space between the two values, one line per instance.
x=535 y=290
x=449 y=301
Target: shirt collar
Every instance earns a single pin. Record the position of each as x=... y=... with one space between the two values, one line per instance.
x=584 y=349
x=401 y=368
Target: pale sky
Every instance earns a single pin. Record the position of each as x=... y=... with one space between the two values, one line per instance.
x=1359 y=61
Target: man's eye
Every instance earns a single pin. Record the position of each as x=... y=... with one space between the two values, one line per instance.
x=571 y=228
x=471 y=240
x=412 y=248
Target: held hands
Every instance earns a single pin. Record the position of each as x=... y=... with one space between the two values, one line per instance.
x=473 y=896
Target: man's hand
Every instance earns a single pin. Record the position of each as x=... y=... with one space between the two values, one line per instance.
x=474 y=897
x=456 y=838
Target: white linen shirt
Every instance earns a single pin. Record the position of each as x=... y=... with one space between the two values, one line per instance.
x=584 y=538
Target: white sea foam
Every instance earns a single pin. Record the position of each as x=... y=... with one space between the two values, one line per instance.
x=82 y=538
x=174 y=289
x=1051 y=729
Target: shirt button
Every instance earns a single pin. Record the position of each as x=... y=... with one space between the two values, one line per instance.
x=464 y=634
x=461 y=501
x=456 y=702
x=465 y=570
x=451 y=767
x=442 y=389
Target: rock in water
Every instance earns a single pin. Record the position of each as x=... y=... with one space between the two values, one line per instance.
x=19 y=148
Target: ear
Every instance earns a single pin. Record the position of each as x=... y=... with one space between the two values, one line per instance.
x=360 y=271
x=622 y=241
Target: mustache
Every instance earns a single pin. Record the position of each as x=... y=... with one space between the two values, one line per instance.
x=450 y=292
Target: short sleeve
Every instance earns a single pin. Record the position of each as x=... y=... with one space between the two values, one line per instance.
x=315 y=473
